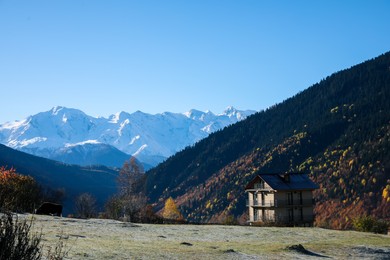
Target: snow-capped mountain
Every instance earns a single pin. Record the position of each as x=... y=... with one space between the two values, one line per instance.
x=65 y=133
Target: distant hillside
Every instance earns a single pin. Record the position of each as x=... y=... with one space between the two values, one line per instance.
x=99 y=181
x=91 y=154
x=337 y=131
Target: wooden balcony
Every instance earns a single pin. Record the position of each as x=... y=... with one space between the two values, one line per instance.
x=280 y=203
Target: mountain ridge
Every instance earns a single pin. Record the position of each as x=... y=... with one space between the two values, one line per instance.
x=151 y=138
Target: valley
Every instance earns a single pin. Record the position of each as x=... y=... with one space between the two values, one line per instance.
x=194 y=130
x=336 y=131
x=110 y=239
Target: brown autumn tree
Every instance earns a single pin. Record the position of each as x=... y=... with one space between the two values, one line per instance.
x=18 y=193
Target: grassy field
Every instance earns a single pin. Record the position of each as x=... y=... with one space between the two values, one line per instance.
x=109 y=239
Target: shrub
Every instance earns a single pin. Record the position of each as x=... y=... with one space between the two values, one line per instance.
x=370 y=224
x=363 y=224
x=59 y=252
x=230 y=220
x=113 y=208
x=18 y=193
x=127 y=208
x=16 y=240
x=380 y=226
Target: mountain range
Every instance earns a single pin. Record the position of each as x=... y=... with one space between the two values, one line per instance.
x=337 y=131
x=69 y=135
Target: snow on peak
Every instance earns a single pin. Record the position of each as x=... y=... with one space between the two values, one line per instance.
x=143 y=147
x=55 y=110
x=118 y=117
x=25 y=142
x=230 y=110
x=114 y=118
x=14 y=124
x=62 y=112
x=134 y=139
x=239 y=115
x=194 y=114
x=142 y=134
x=82 y=143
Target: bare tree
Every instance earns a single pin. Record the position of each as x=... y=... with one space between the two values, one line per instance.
x=85 y=206
x=132 y=207
x=131 y=178
x=131 y=197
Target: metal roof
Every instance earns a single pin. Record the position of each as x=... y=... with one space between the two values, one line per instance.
x=285 y=181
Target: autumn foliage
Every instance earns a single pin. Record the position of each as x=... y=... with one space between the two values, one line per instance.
x=18 y=193
x=336 y=131
x=171 y=211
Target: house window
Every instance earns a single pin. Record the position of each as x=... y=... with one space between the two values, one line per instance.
x=289 y=198
x=300 y=198
x=259 y=185
x=254 y=196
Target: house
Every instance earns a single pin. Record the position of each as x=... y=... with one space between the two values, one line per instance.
x=284 y=199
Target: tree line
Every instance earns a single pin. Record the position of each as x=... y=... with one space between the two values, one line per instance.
x=20 y=193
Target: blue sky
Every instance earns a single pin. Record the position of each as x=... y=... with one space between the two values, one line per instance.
x=108 y=56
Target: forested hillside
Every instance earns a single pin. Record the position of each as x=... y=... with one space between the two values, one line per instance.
x=337 y=131
x=73 y=180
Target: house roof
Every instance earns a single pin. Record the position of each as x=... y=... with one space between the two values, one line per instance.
x=285 y=181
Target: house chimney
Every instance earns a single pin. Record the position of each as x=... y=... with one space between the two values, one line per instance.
x=286 y=177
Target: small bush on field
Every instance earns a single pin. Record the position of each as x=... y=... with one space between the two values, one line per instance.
x=370 y=224
x=16 y=240
x=230 y=220
x=59 y=252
